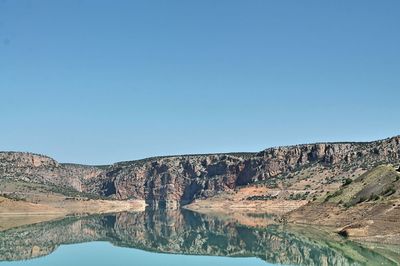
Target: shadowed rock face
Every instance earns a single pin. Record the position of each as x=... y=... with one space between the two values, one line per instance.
x=170 y=179
x=185 y=178
x=184 y=232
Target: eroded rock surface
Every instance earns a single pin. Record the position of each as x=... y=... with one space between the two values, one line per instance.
x=181 y=179
x=184 y=178
x=35 y=168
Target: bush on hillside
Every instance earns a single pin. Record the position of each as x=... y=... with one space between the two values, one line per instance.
x=389 y=191
x=347 y=182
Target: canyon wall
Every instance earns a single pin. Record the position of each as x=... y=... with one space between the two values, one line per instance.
x=184 y=178
x=35 y=168
x=181 y=179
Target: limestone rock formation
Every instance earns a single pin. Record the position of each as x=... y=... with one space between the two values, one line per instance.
x=35 y=168
x=185 y=178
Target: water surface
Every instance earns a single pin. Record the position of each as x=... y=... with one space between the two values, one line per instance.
x=178 y=237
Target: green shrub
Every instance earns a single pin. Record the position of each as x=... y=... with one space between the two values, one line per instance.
x=389 y=191
x=343 y=233
x=347 y=182
x=314 y=198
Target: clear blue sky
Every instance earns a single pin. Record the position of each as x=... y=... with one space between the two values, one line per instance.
x=103 y=81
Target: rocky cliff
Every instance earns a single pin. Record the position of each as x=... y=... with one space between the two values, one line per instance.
x=35 y=168
x=185 y=178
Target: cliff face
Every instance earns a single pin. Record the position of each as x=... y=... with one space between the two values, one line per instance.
x=170 y=179
x=184 y=178
x=35 y=168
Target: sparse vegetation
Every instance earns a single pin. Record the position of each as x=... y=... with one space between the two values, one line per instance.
x=13 y=196
x=390 y=191
x=343 y=233
x=261 y=197
x=333 y=195
x=347 y=182
x=299 y=196
x=376 y=184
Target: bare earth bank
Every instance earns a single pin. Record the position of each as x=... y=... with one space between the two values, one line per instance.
x=14 y=213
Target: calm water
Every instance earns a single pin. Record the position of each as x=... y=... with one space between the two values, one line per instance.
x=174 y=237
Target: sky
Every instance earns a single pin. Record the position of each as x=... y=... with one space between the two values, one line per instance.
x=97 y=82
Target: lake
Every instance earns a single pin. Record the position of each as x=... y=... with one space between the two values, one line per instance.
x=180 y=237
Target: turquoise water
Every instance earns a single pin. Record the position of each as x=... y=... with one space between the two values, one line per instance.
x=105 y=254
x=179 y=237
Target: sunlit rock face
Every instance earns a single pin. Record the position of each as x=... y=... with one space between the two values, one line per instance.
x=172 y=178
x=35 y=168
x=184 y=178
x=176 y=232
x=175 y=180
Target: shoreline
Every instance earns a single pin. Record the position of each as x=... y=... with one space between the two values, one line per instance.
x=14 y=214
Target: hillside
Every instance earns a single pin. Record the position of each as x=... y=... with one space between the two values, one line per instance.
x=182 y=179
x=36 y=168
x=382 y=183
x=367 y=208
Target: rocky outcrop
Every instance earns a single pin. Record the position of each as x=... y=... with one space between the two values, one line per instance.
x=185 y=178
x=170 y=179
x=29 y=167
x=25 y=159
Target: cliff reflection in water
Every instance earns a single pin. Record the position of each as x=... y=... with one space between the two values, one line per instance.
x=185 y=232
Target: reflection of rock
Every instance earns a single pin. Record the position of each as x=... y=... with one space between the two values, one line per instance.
x=173 y=231
x=35 y=252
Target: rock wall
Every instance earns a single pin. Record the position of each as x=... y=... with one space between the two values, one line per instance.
x=184 y=178
x=35 y=168
x=170 y=179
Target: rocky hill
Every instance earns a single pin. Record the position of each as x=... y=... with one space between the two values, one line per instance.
x=36 y=168
x=367 y=208
x=380 y=182
x=184 y=178
x=181 y=179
